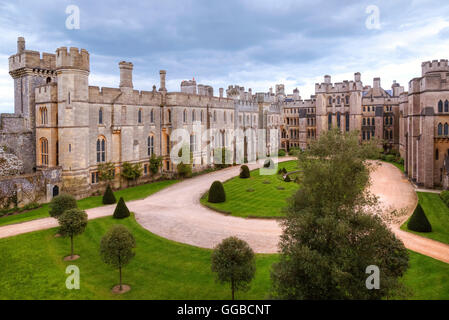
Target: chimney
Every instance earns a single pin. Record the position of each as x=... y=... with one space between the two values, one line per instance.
x=162 y=74
x=126 y=74
x=376 y=83
x=221 y=92
x=20 y=44
x=357 y=76
x=327 y=79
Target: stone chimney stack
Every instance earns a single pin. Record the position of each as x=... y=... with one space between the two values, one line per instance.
x=20 y=44
x=376 y=83
x=327 y=79
x=221 y=92
x=162 y=74
x=126 y=74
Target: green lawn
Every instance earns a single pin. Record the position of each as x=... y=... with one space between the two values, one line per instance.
x=257 y=196
x=132 y=193
x=437 y=213
x=32 y=268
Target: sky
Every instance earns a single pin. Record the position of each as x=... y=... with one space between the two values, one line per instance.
x=252 y=43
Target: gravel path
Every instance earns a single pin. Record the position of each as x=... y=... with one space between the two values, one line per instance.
x=176 y=213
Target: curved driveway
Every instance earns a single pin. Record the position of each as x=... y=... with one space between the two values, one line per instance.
x=176 y=213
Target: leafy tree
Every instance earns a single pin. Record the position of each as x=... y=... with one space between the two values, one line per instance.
x=121 y=210
x=418 y=221
x=244 y=172
x=106 y=171
x=155 y=163
x=71 y=223
x=217 y=193
x=332 y=231
x=233 y=261
x=60 y=204
x=108 y=196
x=131 y=172
x=116 y=248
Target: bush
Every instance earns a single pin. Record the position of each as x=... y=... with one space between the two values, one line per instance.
x=216 y=193
x=418 y=222
x=390 y=158
x=108 y=196
x=184 y=170
x=244 y=172
x=60 y=204
x=121 y=210
x=281 y=153
x=445 y=197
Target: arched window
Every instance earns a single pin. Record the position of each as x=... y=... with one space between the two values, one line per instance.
x=139 y=116
x=44 y=115
x=440 y=106
x=437 y=154
x=100 y=116
x=152 y=116
x=48 y=80
x=329 y=121
x=184 y=116
x=446 y=129
x=347 y=99
x=330 y=100
x=440 y=129
x=364 y=121
x=44 y=151
x=338 y=100
x=338 y=120
x=347 y=122
x=150 y=145
x=169 y=115
x=446 y=106
x=101 y=149
x=391 y=134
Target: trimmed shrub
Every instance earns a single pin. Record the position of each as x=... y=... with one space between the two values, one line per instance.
x=121 y=210
x=281 y=153
x=418 y=222
x=216 y=193
x=108 y=196
x=60 y=204
x=244 y=172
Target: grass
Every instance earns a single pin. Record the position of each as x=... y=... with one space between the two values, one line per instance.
x=32 y=267
x=128 y=194
x=438 y=215
x=266 y=199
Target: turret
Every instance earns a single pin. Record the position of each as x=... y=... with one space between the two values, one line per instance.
x=162 y=74
x=126 y=74
x=435 y=66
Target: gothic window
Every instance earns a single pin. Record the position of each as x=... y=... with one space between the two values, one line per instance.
x=150 y=145
x=139 y=116
x=347 y=99
x=329 y=121
x=100 y=116
x=169 y=115
x=44 y=115
x=338 y=100
x=368 y=121
x=364 y=121
x=437 y=154
x=330 y=100
x=338 y=120
x=152 y=116
x=363 y=135
x=184 y=116
x=101 y=149
x=391 y=134
x=44 y=151
x=446 y=129
x=440 y=129
x=446 y=106
x=347 y=122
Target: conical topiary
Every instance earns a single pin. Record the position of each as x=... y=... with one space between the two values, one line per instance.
x=244 y=172
x=418 y=222
x=108 y=196
x=121 y=210
x=216 y=193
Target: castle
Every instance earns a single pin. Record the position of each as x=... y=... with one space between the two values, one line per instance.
x=62 y=128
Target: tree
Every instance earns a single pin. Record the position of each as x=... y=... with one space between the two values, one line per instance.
x=244 y=172
x=333 y=231
x=155 y=163
x=184 y=170
x=106 y=171
x=116 y=248
x=71 y=223
x=418 y=221
x=216 y=193
x=108 y=196
x=60 y=204
x=131 y=172
x=233 y=261
x=121 y=210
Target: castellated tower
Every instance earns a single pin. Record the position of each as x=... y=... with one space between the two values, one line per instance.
x=72 y=69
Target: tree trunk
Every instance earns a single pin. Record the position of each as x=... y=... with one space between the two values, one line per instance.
x=71 y=244
x=120 y=270
x=233 y=288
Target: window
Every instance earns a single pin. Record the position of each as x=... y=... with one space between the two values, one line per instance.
x=44 y=115
x=446 y=129
x=347 y=99
x=215 y=116
x=446 y=106
x=391 y=134
x=440 y=106
x=364 y=121
x=440 y=129
x=329 y=121
x=150 y=145
x=184 y=116
x=95 y=177
x=101 y=149
x=347 y=122
x=169 y=115
x=193 y=116
x=152 y=116
x=44 y=151
x=100 y=116
x=338 y=100
x=330 y=100
x=338 y=120
x=437 y=154
x=168 y=145
x=139 y=116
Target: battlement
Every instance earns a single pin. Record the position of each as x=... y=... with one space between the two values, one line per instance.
x=435 y=66
x=32 y=59
x=72 y=59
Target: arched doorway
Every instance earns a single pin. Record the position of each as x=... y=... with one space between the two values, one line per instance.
x=55 y=191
